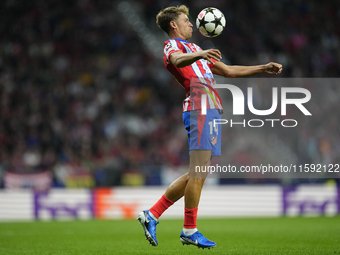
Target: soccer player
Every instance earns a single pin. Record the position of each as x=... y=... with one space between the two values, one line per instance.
x=193 y=68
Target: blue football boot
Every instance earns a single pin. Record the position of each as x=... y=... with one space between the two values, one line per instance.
x=149 y=226
x=197 y=239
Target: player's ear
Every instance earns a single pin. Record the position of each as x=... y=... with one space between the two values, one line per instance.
x=173 y=24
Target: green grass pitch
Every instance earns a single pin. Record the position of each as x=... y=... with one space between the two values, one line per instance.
x=319 y=235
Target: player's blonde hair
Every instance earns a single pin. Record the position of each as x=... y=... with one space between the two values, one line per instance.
x=165 y=16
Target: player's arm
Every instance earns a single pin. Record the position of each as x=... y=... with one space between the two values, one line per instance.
x=243 y=71
x=181 y=59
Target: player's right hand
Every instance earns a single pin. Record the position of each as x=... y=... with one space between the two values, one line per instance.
x=211 y=54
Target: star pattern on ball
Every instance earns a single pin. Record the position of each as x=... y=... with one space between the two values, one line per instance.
x=211 y=34
x=203 y=22
x=217 y=21
x=211 y=10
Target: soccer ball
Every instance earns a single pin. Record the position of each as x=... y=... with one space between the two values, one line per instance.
x=210 y=22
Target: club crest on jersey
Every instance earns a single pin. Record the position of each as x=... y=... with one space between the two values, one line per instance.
x=213 y=139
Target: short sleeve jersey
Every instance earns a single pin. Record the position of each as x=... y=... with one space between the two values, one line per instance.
x=196 y=79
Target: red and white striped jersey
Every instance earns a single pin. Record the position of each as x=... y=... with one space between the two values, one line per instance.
x=196 y=79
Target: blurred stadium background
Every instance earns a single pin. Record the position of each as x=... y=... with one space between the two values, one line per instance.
x=85 y=102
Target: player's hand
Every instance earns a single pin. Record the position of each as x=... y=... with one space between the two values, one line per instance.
x=211 y=54
x=273 y=68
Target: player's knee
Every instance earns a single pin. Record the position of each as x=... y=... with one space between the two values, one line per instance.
x=197 y=174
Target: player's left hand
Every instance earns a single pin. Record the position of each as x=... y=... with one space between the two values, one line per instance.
x=273 y=68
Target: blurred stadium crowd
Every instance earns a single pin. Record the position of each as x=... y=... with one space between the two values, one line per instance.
x=81 y=94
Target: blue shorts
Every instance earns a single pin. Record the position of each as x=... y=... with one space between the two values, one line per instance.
x=202 y=133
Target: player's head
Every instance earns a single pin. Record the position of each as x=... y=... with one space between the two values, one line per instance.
x=175 y=22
